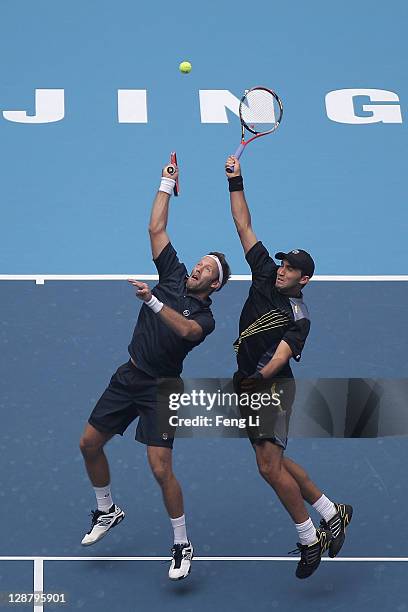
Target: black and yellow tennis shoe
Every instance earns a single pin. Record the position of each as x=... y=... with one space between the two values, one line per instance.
x=311 y=554
x=337 y=527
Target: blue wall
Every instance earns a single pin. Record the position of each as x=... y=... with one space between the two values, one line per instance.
x=76 y=194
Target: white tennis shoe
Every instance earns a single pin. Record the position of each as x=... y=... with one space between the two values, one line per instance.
x=101 y=523
x=180 y=566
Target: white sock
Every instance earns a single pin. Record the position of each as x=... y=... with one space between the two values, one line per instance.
x=306 y=531
x=179 y=527
x=103 y=498
x=325 y=508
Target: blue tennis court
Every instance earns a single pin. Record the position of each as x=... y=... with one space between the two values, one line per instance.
x=80 y=166
x=233 y=513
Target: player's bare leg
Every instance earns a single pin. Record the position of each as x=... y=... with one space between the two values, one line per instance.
x=310 y=492
x=271 y=466
x=336 y=517
x=107 y=515
x=313 y=542
x=160 y=460
x=96 y=463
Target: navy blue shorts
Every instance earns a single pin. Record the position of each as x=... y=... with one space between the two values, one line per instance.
x=274 y=418
x=133 y=394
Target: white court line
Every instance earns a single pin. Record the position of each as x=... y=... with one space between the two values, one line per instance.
x=38 y=577
x=38 y=581
x=40 y=279
x=348 y=559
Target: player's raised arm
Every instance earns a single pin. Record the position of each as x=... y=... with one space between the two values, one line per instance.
x=160 y=210
x=239 y=207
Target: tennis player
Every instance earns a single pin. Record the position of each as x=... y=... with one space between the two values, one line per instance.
x=273 y=328
x=175 y=317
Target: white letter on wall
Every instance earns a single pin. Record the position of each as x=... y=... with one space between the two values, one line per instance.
x=49 y=107
x=340 y=106
x=213 y=105
x=132 y=106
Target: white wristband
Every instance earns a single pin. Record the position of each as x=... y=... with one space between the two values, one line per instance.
x=154 y=304
x=167 y=185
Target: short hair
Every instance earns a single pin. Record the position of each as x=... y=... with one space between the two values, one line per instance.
x=226 y=270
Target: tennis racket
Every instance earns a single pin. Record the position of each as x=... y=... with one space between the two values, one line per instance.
x=170 y=170
x=260 y=113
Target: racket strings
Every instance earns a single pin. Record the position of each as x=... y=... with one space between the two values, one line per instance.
x=260 y=111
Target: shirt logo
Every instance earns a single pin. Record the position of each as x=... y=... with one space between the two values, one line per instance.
x=186 y=313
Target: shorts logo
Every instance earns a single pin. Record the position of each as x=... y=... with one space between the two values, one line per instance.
x=186 y=313
x=165 y=436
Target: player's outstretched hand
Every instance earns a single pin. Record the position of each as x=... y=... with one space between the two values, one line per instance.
x=232 y=162
x=171 y=175
x=142 y=290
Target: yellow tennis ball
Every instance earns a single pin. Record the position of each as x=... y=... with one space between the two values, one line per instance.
x=185 y=67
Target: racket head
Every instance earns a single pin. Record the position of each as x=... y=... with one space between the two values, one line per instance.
x=173 y=160
x=260 y=111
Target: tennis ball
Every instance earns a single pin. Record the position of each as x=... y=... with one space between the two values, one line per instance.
x=185 y=67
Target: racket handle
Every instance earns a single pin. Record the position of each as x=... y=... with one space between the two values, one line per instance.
x=237 y=154
x=171 y=170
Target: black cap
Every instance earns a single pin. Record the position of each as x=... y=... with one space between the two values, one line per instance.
x=299 y=259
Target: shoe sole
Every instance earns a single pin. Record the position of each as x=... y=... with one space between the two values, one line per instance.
x=307 y=575
x=334 y=554
x=181 y=577
x=118 y=520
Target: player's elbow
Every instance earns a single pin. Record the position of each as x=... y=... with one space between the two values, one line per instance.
x=244 y=228
x=192 y=333
x=155 y=229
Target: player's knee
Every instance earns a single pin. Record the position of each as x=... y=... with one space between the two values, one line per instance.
x=269 y=470
x=89 y=447
x=161 y=471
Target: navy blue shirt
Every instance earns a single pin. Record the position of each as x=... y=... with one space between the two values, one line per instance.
x=155 y=348
x=268 y=317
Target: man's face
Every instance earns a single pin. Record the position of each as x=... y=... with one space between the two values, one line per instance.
x=288 y=278
x=204 y=276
